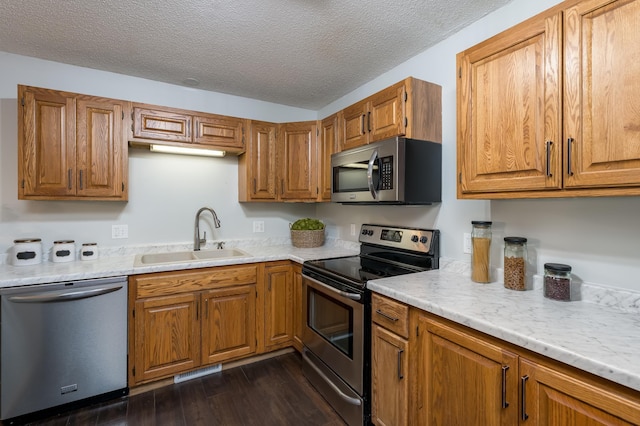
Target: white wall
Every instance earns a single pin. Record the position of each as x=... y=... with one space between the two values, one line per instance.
x=165 y=191
x=596 y=236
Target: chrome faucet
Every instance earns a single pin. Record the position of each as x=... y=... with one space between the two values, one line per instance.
x=197 y=241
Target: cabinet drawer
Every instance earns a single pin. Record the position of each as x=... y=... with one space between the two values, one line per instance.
x=390 y=314
x=162 y=284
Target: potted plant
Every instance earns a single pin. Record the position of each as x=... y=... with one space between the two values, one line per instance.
x=307 y=232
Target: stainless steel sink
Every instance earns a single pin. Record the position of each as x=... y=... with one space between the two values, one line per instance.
x=188 y=256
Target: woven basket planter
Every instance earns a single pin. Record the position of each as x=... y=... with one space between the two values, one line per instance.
x=306 y=239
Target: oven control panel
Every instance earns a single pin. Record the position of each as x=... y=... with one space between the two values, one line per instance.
x=414 y=239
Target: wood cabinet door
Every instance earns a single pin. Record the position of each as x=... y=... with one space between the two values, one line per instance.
x=354 y=125
x=228 y=323
x=509 y=109
x=46 y=143
x=260 y=162
x=164 y=125
x=386 y=115
x=464 y=380
x=167 y=336
x=101 y=148
x=389 y=379
x=219 y=131
x=552 y=398
x=298 y=320
x=278 y=306
x=602 y=94
x=297 y=161
x=327 y=145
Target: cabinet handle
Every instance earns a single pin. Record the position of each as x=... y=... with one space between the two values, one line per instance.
x=505 y=404
x=81 y=178
x=400 y=376
x=69 y=178
x=523 y=402
x=389 y=317
x=363 y=123
x=369 y=121
x=282 y=187
x=569 y=142
x=549 y=144
x=206 y=308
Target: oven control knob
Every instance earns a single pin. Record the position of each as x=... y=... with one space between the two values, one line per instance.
x=370 y=232
x=414 y=238
x=364 y=232
x=423 y=240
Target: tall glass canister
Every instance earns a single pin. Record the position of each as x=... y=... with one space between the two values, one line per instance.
x=515 y=261
x=481 y=247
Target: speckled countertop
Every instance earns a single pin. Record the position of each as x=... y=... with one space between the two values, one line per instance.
x=121 y=261
x=588 y=334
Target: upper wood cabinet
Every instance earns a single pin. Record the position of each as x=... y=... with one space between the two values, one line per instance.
x=179 y=127
x=71 y=146
x=280 y=163
x=257 y=167
x=549 y=107
x=410 y=108
x=328 y=143
x=297 y=161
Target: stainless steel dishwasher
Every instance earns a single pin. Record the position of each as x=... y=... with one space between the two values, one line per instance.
x=62 y=343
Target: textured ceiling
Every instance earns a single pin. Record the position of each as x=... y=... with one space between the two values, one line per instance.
x=304 y=53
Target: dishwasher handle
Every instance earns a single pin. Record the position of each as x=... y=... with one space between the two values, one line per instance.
x=63 y=296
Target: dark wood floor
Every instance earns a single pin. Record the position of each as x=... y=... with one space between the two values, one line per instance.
x=269 y=392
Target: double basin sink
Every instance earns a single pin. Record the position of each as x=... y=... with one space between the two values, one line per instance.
x=188 y=256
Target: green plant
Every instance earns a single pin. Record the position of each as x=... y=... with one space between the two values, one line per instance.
x=307 y=224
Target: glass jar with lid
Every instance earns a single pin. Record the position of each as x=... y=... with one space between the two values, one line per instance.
x=515 y=261
x=481 y=247
x=557 y=281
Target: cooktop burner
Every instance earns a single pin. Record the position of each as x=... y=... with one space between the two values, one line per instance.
x=385 y=251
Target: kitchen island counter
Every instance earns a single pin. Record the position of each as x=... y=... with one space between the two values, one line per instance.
x=587 y=334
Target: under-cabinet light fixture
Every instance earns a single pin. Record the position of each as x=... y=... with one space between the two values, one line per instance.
x=186 y=151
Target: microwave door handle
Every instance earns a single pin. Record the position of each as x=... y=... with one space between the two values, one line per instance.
x=372 y=161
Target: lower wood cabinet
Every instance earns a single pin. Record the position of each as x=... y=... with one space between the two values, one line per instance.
x=278 y=307
x=228 y=323
x=465 y=377
x=390 y=357
x=183 y=320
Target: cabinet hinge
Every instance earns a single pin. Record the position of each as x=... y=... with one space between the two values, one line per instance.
x=406 y=122
x=460 y=177
x=317 y=132
x=406 y=96
x=459 y=72
x=22 y=101
x=133 y=371
x=122 y=186
x=133 y=313
x=317 y=191
x=22 y=183
x=123 y=115
x=417 y=331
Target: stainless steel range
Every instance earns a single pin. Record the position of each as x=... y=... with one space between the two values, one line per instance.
x=337 y=311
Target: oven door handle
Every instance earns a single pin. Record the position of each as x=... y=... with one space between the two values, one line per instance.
x=352 y=296
x=336 y=389
x=372 y=161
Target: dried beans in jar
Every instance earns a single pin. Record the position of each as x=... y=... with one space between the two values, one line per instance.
x=515 y=261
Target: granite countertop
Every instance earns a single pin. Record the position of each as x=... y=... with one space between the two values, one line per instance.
x=116 y=262
x=589 y=335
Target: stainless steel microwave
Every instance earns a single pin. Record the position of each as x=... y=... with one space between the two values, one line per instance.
x=391 y=171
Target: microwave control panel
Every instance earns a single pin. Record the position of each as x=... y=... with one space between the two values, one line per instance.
x=386 y=173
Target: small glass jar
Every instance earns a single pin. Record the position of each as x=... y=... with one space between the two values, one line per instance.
x=481 y=248
x=557 y=281
x=515 y=263
x=89 y=251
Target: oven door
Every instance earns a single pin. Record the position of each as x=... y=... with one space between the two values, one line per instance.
x=334 y=329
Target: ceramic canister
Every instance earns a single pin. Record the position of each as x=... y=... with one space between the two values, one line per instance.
x=89 y=251
x=63 y=251
x=27 y=251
